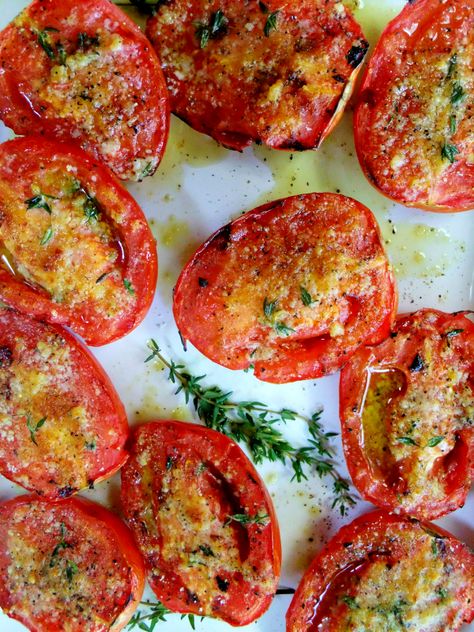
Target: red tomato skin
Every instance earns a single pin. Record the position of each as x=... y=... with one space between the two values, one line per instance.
x=140 y=264
x=450 y=193
x=245 y=602
x=299 y=359
x=123 y=539
x=21 y=108
x=327 y=564
x=230 y=105
x=113 y=457
x=373 y=487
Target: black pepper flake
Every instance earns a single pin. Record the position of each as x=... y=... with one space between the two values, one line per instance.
x=66 y=491
x=417 y=364
x=203 y=282
x=357 y=53
x=223 y=584
x=6 y=356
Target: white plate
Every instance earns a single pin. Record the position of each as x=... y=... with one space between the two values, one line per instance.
x=199 y=187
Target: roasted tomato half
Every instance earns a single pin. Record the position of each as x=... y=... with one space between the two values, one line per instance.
x=386 y=572
x=83 y=71
x=272 y=72
x=291 y=289
x=203 y=520
x=67 y=567
x=414 y=127
x=407 y=410
x=76 y=248
x=62 y=425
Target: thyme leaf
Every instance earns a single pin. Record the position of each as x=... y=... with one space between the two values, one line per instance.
x=246 y=519
x=434 y=441
x=157 y=612
x=34 y=427
x=449 y=152
x=47 y=235
x=271 y=23
x=306 y=296
x=216 y=25
x=253 y=423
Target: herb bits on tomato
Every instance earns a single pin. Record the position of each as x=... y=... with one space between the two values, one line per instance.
x=292 y=288
x=203 y=521
x=406 y=410
x=271 y=72
x=386 y=572
x=414 y=129
x=62 y=425
x=76 y=247
x=67 y=567
x=84 y=72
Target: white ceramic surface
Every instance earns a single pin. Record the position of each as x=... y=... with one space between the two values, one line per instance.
x=200 y=187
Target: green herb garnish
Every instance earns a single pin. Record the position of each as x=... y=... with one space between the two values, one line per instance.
x=452 y=124
x=454 y=332
x=457 y=93
x=34 y=427
x=128 y=286
x=157 y=613
x=45 y=42
x=449 y=152
x=39 y=201
x=306 y=296
x=269 y=311
x=71 y=570
x=47 y=235
x=350 y=601
x=269 y=307
x=283 y=329
x=453 y=60
x=217 y=25
x=406 y=441
x=434 y=441
x=253 y=423
x=91 y=207
x=246 y=519
x=271 y=23
x=62 y=544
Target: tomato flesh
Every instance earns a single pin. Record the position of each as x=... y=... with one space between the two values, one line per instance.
x=185 y=490
x=68 y=566
x=266 y=72
x=62 y=425
x=76 y=247
x=414 y=130
x=405 y=407
x=292 y=288
x=83 y=72
x=384 y=571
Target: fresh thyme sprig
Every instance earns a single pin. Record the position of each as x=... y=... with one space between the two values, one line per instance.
x=253 y=423
x=156 y=614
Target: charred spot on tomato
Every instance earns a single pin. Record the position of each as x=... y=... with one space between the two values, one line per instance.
x=203 y=282
x=222 y=238
x=66 y=491
x=294 y=79
x=222 y=584
x=417 y=364
x=356 y=54
x=296 y=145
x=6 y=357
x=191 y=597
